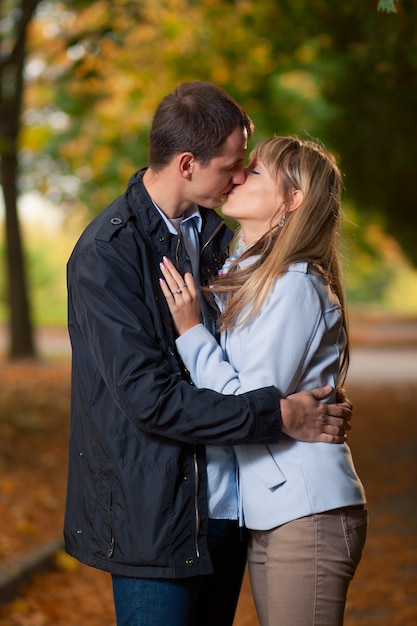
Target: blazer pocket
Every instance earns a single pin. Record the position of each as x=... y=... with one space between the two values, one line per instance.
x=260 y=462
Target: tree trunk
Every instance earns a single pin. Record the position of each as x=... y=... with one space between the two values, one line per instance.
x=11 y=96
x=20 y=327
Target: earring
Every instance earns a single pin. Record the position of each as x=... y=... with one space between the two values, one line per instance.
x=282 y=221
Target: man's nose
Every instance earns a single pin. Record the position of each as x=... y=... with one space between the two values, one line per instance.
x=239 y=176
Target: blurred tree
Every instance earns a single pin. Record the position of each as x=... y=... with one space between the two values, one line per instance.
x=96 y=70
x=369 y=78
x=15 y=19
x=347 y=74
x=107 y=67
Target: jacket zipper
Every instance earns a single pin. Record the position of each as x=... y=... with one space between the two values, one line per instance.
x=176 y=251
x=219 y=227
x=196 y=471
x=111 y=547
x=204 y=246
x=196 y=510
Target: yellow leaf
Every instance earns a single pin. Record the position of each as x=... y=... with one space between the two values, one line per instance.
x=64 y=562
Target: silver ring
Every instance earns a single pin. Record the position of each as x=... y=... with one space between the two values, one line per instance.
x=182 y=286
x=177 y=291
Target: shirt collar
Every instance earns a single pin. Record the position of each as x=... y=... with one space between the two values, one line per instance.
x=192 y=213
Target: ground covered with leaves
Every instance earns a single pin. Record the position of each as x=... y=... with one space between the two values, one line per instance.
x=34 y=408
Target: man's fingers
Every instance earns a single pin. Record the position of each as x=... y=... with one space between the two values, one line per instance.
x=343 y=411
x=339 y=429
x=335 y=430
x=305 y=418
x=337 y=423
x=320 y=393
x=325 y=438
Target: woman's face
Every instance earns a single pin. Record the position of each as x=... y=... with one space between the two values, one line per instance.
x=257 y=204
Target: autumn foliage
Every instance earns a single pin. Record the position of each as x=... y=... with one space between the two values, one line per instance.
x=34 y=408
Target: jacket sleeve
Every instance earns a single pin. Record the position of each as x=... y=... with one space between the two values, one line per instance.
x=117 y=352
x=277 y=348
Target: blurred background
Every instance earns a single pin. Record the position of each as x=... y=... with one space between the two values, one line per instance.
x=79 y=82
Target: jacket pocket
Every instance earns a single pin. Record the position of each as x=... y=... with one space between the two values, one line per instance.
x=103 y=525
x=259 y=461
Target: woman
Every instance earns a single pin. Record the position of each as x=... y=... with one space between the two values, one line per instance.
x=283 y=323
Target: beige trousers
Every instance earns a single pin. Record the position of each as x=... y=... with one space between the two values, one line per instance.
x=300 y=571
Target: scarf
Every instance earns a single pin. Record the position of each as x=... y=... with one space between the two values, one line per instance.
x=241 y=244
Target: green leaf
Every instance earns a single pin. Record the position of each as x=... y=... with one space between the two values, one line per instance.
x=387 y=5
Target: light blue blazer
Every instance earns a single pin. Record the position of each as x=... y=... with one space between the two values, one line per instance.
x=295 y=343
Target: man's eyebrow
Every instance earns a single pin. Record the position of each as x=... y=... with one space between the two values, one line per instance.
x=236 y=162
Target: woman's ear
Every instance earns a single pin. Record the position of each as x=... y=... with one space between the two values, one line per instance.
x=297 y=199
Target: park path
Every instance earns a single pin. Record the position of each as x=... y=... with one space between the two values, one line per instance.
x=387 y=343
x=382 y=384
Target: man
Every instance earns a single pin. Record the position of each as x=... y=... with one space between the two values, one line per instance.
x=137 y=500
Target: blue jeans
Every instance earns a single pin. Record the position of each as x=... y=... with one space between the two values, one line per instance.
x=197 y=601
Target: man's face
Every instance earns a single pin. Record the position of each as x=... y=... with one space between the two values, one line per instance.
x=212 y=183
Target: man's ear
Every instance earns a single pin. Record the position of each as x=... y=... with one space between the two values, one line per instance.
x=186 y=163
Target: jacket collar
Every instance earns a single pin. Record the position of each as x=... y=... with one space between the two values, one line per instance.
x=143 y=207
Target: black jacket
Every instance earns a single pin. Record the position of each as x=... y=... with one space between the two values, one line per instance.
x=137 y=486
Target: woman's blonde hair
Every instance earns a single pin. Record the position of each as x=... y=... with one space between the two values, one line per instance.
x=310 y=233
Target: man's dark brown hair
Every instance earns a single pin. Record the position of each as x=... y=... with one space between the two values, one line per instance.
x=196 y=117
